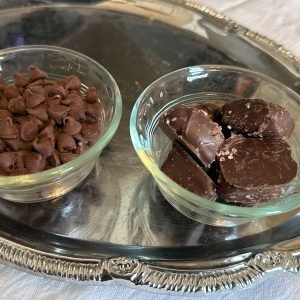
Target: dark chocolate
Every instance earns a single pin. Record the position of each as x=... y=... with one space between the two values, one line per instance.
x=255 y=117
x=194 y=129
x=255 y=170
x=181 y=168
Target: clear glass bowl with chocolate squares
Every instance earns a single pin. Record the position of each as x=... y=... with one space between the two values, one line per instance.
x=221 y=142
x=58 y=110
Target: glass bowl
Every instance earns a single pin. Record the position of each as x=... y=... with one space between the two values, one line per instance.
x=208 y=83
x=60 y=63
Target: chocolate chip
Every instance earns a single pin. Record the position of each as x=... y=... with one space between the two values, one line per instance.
x=5 y=113
x=36 y=73
x=13 y=144
x=94 y=110
x=20 y=80
x=20 y=159
x=81 y=147
x=61 y=82
x=3 y=101
x=58 y=112
x=39 y=111
x=71 y=126
x=54 y=160
x=90 y=132
x=44 y=145
x=11 y=91
x=34 y=95
x=8 y=130
x=17 y=106
x=42 y=83
x=73 y=83
x=67 y=156
x=17 y=144
x=72 y=99
x=17 y=172
x=34 y=162
x=28 y=130
x=53 y=100
x=48 y=131
x=53 y=91
x=2 y=146
x=65 y=142
x=57 y=109
x=7 y=161
x=77 y=111
x=91 y=95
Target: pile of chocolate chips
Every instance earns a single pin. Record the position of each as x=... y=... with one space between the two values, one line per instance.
x=45 y=123
x=234 y=153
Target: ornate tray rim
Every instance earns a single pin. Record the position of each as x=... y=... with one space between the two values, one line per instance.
x=136 y=272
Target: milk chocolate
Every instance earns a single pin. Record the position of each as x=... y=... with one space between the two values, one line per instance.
x=255 y=117
x=181 y=168
x=194 y=129
x=254 y=170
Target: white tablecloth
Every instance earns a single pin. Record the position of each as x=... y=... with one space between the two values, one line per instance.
x=277 y=19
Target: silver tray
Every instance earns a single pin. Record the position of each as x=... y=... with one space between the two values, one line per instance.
x=116 y=226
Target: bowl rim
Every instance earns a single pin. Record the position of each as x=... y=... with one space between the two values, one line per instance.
x=59 y=171
x=222 y=208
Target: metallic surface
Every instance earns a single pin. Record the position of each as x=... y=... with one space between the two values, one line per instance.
x=116 y=224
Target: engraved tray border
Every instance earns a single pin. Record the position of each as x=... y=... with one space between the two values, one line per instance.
x=135 y=272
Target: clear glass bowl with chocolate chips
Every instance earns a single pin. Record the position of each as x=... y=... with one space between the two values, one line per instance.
x=58 y=110
x=221 y=142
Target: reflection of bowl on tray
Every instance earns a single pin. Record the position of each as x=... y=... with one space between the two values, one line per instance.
x=208 y=83
x=60 y=63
